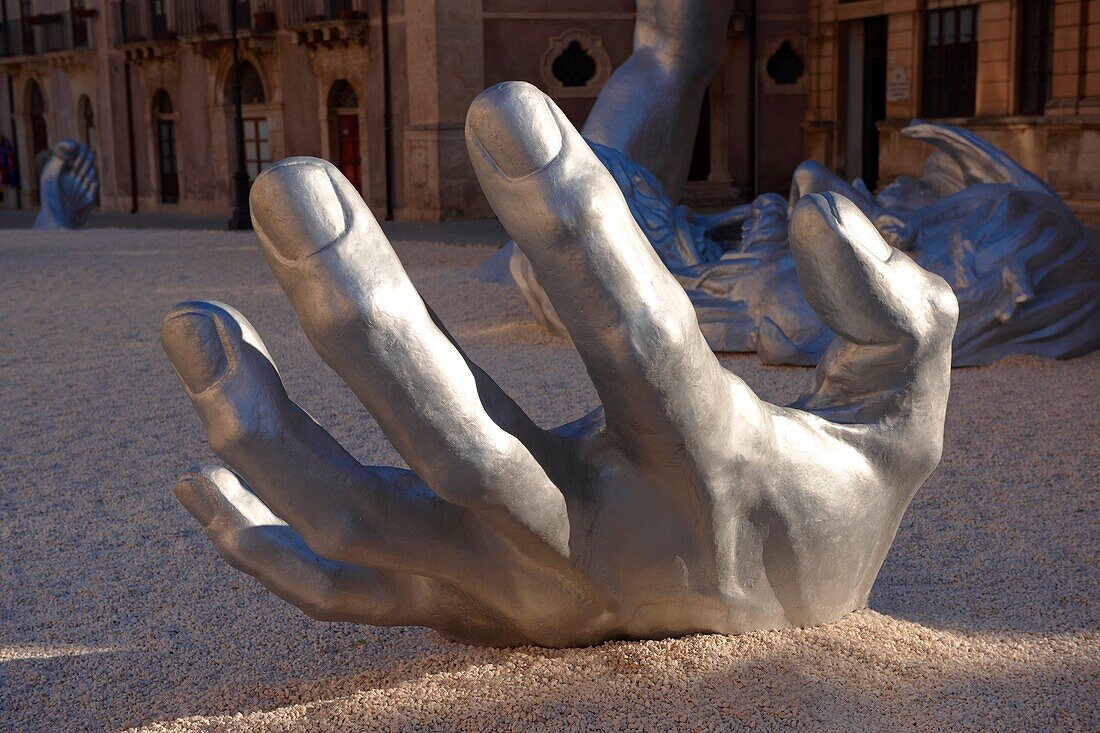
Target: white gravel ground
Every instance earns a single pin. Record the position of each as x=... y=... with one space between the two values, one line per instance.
x=117 y=613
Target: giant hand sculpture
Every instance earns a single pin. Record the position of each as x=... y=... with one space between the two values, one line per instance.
x=686 y=504
x=1024 y=269
x=68 y=185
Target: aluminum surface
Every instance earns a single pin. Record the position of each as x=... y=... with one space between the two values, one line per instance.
x=683 y=504
x=68 y=185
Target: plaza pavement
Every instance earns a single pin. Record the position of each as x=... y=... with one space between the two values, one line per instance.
x=115 y=611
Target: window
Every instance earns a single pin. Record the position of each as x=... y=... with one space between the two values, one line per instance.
x=252 y=86
x=1036 y=34
x=574 y=67
x=79 y=24
x=257 y=154
x=87 y=122
x=785 y=65
x=167 y=163
x=950 y=62
x=26 y=10
x=36 y=104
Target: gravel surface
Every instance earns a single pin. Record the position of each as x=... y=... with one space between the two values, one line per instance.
x=117 y=613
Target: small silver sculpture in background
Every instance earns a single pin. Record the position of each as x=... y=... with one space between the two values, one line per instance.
x=684 y=504
x=68 y=185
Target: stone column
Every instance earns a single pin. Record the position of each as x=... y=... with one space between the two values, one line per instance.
x=446 y=70
x=995 y=56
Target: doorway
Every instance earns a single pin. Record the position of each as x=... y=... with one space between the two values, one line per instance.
x=347 y=127
x=865 y=97
x=40 y=137
x=167 y=163
x=343 y=111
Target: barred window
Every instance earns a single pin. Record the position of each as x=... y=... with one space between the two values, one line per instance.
x=950 y=68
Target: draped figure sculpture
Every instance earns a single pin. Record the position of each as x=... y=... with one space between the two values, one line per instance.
x=68 y=185
x=683 y=504
x=1024 y=269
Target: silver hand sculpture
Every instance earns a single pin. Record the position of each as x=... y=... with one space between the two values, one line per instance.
x=685 y=504
x=67 y=186
x=1024 y=269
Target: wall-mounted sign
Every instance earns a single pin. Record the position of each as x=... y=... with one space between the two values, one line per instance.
x=897 y=86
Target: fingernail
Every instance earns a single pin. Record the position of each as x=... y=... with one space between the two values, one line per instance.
x=192 y=492
x=515 y=127
x=194 y=346
x=296 y=207
x=855 y=226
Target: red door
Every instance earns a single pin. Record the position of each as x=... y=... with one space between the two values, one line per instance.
x=347 y=131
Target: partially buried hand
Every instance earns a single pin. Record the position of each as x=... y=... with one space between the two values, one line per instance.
x=684 y=504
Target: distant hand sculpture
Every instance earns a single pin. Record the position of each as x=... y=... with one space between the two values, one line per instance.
x=685 y=504
x=68 y=185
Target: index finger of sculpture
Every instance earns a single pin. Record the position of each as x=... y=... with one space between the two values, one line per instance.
x=662 y=388
x=892 y=366
x=346 y=511
x=368 y=322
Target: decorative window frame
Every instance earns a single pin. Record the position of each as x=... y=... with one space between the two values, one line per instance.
x=769 y=48
x=593 y=46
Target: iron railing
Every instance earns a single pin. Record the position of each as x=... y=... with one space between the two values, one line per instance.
x=45 y=33
x=211 y=17
x=300 y=12
x=141 y=20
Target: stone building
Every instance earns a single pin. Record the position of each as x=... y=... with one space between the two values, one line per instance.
x=380 y=88
x=1024 y=74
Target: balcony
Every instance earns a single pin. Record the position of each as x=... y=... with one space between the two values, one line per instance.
x=207 y=24
x=143 y=30
x=140 y=22
x=326 y=22
x=213 y=18
x=306 y=12
x=43 y=33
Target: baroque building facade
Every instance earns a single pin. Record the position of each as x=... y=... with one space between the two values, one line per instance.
x=1024 y=74
x=380 y=88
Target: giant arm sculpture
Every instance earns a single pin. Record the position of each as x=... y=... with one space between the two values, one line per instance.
x=68 y=185
x=684 y=504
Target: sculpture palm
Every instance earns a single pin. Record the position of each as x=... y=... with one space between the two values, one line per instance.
x=685 y=504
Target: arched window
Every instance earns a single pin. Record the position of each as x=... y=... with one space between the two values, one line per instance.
x=257 y=151
x=252 y=86
x=343 y=119
x=36 y=103
x=342 y=95
x=164 y=122
x=36 y=107
x=87 y=122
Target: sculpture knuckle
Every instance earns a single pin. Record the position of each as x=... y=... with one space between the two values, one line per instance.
x=657 y=331
x=935 y=326
x=241 y=425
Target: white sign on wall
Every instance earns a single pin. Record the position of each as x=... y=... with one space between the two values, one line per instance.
x=897 y=86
